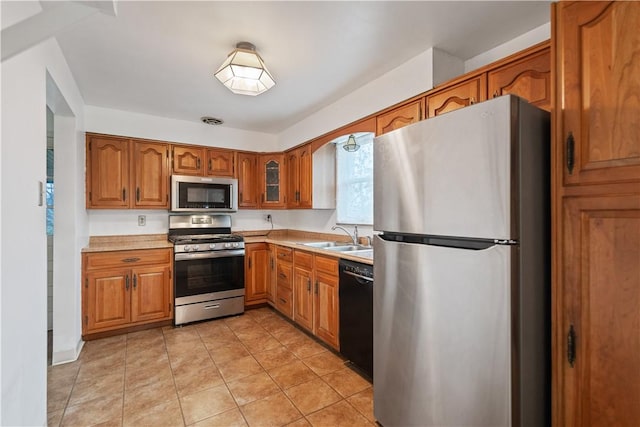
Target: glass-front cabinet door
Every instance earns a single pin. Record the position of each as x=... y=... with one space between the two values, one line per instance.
x=272 y=179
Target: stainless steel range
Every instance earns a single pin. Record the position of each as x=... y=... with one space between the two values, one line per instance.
x=208 y=267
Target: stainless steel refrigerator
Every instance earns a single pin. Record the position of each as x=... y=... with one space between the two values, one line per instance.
x=462 y=283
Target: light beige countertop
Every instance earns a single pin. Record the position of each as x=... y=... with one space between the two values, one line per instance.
x=295 y=239
x=290 y=238
x=127 y=243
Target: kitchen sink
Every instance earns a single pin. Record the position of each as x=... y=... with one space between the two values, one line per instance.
x=348 y=248
x=325 y=245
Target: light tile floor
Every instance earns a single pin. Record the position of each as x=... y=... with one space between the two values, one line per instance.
x=256 y=369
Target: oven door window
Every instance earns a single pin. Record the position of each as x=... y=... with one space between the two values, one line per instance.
x=204 y=195
x=201 y=276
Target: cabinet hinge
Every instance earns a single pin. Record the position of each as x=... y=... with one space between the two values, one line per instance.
x=89 y=195
x=167 y=197
x=169 y=304
x=89 y=145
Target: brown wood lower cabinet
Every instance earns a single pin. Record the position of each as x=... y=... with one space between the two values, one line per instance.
x=256 y=273
x=599 y=365
x=284 y=280
x=315 y=295
x=303 y=301
x=122 y=289
x=326 y=314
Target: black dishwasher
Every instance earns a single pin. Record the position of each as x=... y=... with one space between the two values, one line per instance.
x=356 y=314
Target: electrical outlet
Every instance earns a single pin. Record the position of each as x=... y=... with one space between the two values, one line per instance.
x=142 y=220
x=269 y=218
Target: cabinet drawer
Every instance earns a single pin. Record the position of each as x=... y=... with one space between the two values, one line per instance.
x=303 y=259
x=285 y=274
x=327 y=265
x=284 y=254
x=127 y=258
x=284 y=301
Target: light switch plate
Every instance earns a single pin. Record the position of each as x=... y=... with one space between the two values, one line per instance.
x=142 y=220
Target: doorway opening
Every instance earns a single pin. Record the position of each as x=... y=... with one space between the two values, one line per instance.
x=49 y=218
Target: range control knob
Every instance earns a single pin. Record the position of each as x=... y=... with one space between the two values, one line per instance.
x=212 y=246
x=227 y=245
x=235 y=245
x=195 y=248
x=187 y=248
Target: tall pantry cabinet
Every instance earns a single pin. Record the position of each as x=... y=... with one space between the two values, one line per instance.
x=596 y=214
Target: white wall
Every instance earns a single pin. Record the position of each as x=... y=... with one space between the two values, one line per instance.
x=23 y=311
x=527 y=39
x=126 y=123
x=408 y=79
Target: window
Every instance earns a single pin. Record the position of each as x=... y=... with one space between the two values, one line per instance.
x=354 y=204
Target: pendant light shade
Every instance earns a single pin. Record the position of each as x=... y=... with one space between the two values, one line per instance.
x=244 y=72
x=351 y=144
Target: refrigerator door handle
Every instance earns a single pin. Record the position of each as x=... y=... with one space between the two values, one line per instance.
x=505 y=242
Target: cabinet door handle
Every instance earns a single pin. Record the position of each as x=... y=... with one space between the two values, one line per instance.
x=198 y=162
x=134 y=259
x=137 y=194
x=316 y=287
x=262 y=197
x=209 y=164
x=571 y=346
x=308 y=285
x=241 y=199
x=472 y=100
x=249 y=263
x=135 y=281
x=284 y=301
x=124 y=194
x=570 y=152
x=282 y=276
x=126 y=282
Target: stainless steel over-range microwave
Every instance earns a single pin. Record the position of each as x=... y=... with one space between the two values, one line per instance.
x=203 y=194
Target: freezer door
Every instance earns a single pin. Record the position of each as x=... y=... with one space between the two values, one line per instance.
x=449 y=175
x=442 y=335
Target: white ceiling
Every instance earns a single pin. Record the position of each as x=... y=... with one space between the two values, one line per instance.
x=158 y=57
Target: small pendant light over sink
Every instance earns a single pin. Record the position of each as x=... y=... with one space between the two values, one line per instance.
x=244 y=72
x=351 y=144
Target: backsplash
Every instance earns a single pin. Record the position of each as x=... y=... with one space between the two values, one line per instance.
x=122 y=222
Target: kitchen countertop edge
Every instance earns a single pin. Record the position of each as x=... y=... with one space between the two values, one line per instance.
x=298 y=244
x=159 y=241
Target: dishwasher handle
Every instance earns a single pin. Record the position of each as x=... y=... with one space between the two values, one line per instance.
x=358 y=276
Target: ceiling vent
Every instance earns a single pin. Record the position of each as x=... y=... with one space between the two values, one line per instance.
x=211 y=121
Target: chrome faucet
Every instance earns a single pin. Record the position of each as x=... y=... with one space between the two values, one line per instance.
x=354 y=237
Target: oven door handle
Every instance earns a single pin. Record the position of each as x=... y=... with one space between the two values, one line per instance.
x=205 y=255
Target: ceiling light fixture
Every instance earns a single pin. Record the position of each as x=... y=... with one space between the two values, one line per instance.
x=351 y=144
x=244 y=72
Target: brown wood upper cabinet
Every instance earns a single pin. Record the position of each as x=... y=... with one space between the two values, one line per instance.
x=188 y=160
x=529 y=78
x=299 y=184
x=248 y=180
x=115 y=182
x=220 y=162
x=460 y=95
x=272 y=181
x=600 y=118
x=150 y=175
x=596 y=214
x=108 y=171
x=399 y=117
